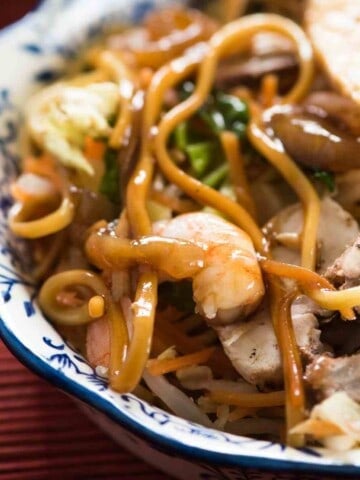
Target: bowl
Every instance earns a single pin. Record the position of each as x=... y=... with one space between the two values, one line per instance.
x=44 y=44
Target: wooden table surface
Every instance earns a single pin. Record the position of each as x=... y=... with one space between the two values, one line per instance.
x=43 y=435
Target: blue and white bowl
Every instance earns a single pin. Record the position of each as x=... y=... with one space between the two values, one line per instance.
x=35 y=51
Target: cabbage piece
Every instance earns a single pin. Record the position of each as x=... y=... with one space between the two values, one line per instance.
x=60 y=118
x=340 y=412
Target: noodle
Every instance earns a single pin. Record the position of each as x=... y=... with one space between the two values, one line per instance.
x=293 y=375
x=47 y=225
x=316 y=287
x=114 y=65
x=178 y=258
x=174 y=152
x=55 y=284
x=51 y=223
x=300 y=184
x=143 y=323
x=221 y=42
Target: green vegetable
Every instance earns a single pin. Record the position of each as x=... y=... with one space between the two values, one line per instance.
x=221 y=111
x=181 y=136
x=232 y=108
x=110 y=182
x=200 y=156
x=327 y=178
x=225 y=112
x=239 y=129
x=215 y=178
x=214 y=119
x=201 y=145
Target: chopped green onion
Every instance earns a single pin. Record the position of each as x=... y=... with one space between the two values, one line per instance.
x=110 y=182
x=181 y=136
x=215 y=178
x=221 y=111
x=239 y=128
x=200 y=156
x=232 y=108
x=214 y=120
x=327 y=178
x=225 y=112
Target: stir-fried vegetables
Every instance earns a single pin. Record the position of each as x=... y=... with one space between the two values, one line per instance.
x=62 y=117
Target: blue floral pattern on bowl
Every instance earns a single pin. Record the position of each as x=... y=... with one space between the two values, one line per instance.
x=44 y=42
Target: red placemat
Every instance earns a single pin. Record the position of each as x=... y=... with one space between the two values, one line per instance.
x=43 y=435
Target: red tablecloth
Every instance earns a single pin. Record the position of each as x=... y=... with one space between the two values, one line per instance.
x=43 y=435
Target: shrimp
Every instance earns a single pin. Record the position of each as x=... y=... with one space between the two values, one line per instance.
x=230 y=285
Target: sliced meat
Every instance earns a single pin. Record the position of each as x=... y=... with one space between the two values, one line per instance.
x=334 y=29
x=345 y=271
x=337 y=229
x=328 y=375
x=251 y=345
x=306 y=327
x=253 y=349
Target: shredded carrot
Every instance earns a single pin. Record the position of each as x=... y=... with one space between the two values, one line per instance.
x=318 y=428
x=43 y=166
x=248 y=400
x=94 y=149
x=96 y=306
x=269 y=90
x=243 y=93
x=159 y=367
x=145 y=77
x=232 y=148
x=170 y=331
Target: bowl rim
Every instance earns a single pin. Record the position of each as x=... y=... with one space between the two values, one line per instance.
x=169 y=445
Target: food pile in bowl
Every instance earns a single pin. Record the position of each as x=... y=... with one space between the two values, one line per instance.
x=191 y=198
